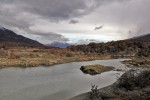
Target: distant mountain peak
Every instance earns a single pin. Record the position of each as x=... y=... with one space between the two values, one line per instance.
x=58 y=45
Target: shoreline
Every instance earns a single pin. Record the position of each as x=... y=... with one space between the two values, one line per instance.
x=123 y=89
x=128 y=63
x=137 y=63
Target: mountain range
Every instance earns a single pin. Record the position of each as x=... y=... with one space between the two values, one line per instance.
x=58 y=45
x=8 y=36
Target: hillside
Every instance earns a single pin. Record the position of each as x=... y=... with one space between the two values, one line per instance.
x=121 y=48
x=9 y=37
x=143 y=37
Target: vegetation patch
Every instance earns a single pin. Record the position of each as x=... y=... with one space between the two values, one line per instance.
x=138 y=62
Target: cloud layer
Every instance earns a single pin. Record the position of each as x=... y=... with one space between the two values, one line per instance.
x=73 y=20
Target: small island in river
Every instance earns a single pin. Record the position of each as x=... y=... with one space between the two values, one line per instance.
x=95 y=69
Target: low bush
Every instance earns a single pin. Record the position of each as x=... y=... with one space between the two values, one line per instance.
x=134 y=81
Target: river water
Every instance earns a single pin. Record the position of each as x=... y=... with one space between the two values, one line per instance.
x=59 y=82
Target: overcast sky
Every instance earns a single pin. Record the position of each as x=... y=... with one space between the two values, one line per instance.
x=74 y=21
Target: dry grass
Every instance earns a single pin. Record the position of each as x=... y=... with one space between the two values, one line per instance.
x=30 y=57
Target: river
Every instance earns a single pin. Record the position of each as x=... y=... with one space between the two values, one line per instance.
x=58 y=82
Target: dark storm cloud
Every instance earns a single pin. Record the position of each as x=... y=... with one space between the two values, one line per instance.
x=73 y=21
x=99 y=27
x=23 y=14
x=53 y=9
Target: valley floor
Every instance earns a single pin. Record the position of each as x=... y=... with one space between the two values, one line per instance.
x=32 y=57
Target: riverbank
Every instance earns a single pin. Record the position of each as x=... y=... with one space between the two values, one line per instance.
x=133 y=85
x=34 y=57
x=138 y=62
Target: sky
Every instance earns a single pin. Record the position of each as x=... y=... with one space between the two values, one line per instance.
x=76 y=21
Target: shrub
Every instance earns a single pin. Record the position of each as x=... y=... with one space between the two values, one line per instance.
x=94 y=93
x=133 y=81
